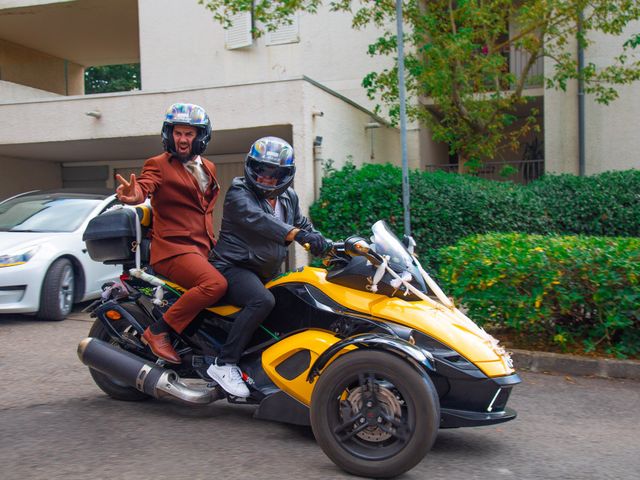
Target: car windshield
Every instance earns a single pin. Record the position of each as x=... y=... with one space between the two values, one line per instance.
x=45 y=213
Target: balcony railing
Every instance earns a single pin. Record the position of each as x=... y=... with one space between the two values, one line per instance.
x=518 y=59
x=521 y=171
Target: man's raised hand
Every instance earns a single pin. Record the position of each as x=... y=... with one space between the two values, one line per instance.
x=128 y=192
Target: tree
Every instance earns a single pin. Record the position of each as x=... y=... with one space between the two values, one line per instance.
x=112 y=78
x=458 y=78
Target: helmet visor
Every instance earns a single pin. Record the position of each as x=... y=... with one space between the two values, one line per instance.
x=267 y=170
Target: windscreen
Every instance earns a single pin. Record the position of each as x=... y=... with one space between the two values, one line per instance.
x=400 y=260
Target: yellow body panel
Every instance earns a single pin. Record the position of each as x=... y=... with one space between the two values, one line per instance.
x=224 y=310
x=449 y=326
x=145 y=210
x=316 y=341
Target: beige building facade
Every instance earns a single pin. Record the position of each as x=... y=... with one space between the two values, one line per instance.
x=302 y=82
x=53 y=135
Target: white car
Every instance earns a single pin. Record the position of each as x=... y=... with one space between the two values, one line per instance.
x=44 y=265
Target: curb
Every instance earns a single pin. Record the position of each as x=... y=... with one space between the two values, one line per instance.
x=575 y=365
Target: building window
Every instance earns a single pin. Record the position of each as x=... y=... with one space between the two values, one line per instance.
x=285 y=33
x=239 y=35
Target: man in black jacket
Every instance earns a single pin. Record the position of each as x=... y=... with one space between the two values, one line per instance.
x=261 y=217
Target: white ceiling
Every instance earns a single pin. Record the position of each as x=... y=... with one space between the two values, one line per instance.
x=86 y=32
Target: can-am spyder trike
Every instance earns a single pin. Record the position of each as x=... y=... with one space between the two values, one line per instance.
x=369 y=351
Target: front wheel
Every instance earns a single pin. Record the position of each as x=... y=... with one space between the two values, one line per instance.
x=373 y=414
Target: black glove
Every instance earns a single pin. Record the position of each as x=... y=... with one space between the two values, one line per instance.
x=317 y=243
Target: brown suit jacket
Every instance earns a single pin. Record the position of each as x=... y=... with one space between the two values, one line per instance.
x=182 y=214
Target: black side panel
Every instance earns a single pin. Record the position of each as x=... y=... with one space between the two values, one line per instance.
x=280 y=407
x=294 y=365
x=292 y=314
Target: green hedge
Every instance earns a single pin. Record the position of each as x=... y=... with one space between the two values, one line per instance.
x=446 y=207
x=567 y=289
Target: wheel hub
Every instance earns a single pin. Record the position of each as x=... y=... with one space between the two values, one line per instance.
x=376 y=407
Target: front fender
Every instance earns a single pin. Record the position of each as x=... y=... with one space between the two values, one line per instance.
x=378 y=341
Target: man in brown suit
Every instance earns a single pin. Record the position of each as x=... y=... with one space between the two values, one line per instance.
x=183 y=189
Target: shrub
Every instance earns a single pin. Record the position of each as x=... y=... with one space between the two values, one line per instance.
x=567 y=289
x=446 y=207
x=605 y=204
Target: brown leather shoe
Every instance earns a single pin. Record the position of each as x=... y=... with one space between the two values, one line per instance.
x=161 y=346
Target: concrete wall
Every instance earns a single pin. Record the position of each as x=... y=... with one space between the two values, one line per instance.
x=344 y=138
x=25 y=66
x=612 y=141
x=612 y=138
x=295 y=102
x=12 y=92
x=182 y=46
x=19 y=175
x=431 y=152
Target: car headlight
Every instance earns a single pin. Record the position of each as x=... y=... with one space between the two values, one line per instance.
x=18 y=257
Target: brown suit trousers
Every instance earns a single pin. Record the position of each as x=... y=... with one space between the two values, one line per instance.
x=205 y=284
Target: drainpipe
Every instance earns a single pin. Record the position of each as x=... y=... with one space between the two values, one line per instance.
x=66 y=77
x=581 y=109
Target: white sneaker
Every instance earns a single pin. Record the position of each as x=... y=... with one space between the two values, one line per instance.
x=229 y=377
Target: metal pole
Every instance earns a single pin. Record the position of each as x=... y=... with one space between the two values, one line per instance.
x=403 y=120
x=581 y=107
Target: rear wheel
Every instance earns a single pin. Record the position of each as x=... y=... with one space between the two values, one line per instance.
x=58 y=290
x=374 y=414
x=110 y=386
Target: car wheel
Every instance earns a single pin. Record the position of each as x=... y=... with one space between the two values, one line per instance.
x=58 y=290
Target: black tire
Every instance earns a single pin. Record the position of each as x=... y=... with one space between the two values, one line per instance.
x=380 y=448
x=108 y=385
x=58 y=291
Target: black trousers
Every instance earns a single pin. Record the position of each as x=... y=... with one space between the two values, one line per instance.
x=246 y=290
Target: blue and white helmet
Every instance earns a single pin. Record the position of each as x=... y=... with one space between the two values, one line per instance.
x=270 y=157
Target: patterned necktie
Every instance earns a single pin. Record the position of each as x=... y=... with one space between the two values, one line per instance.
x=198 y=172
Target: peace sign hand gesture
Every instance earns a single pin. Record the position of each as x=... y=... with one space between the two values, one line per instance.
x=127 y=192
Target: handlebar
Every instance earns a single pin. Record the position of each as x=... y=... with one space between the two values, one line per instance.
x=352 y=247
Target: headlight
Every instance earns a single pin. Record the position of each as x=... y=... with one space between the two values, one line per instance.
x=442 y=352
x=17 y=257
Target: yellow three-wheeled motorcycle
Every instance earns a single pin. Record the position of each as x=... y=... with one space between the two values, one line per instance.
x=368 y=351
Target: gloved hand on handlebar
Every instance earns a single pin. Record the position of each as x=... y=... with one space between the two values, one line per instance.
x=317 y=243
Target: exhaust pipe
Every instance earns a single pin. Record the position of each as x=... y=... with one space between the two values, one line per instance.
x=144 y=376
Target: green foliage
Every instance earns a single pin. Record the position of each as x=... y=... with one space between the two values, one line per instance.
x=566 y=289
x=457 y=56
x=606 y=204
x=447 y=207
x=112 y=78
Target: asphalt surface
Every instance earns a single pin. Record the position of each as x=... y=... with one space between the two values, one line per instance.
x=56 y=424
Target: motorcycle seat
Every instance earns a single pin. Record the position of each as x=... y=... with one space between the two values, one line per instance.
x=222 y=307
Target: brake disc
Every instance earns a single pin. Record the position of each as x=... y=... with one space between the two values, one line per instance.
x=389 y=404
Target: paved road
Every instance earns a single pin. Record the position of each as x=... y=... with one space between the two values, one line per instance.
x=56 y=424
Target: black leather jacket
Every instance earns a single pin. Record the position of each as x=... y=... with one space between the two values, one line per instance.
x=251 y=236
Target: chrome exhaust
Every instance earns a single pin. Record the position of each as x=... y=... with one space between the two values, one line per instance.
x=144 y=376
